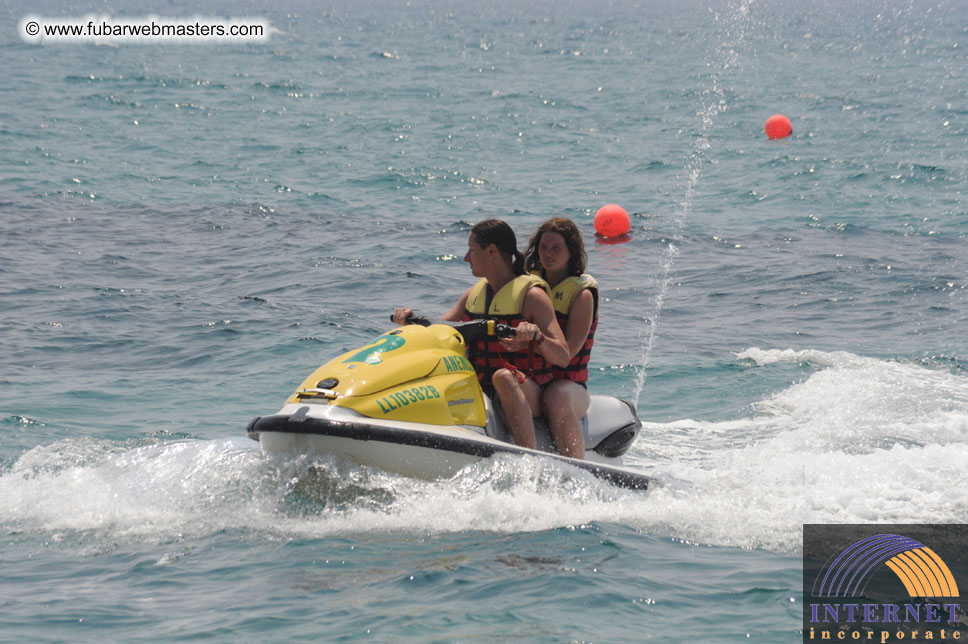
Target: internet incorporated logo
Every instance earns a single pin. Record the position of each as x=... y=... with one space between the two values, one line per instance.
x=883 y=587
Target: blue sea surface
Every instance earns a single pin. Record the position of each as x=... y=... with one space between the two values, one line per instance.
x=189 y=229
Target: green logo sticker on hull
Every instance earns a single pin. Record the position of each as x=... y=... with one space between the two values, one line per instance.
x=371 y=354
x=457 y=363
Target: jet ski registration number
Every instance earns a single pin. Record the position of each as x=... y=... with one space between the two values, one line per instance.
x=406 y=397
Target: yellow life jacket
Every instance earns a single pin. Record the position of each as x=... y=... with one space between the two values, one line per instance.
x=562 y=297
x=506 y=302
x=565 y=292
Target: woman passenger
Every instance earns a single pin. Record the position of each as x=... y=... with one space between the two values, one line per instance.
x=556 y=252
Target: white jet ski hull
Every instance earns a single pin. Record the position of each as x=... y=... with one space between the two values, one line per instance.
x=411 y=449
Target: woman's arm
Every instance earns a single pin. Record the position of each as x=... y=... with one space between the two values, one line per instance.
x=456 y=314
x=579 y=322
x=540 y=315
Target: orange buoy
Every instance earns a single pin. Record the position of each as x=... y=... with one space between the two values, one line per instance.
x=778 y=126
x=612 y=221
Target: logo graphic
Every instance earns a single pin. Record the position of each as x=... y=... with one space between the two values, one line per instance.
x=882 y=583
x=371 y=354
x=919 y=568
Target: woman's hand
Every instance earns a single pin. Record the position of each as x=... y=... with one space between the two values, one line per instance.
x=524 y=334
x=400 y=315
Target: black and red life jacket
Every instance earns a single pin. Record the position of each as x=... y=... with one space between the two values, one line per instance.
x=504 y=307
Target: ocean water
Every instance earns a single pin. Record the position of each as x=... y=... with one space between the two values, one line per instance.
x=189 y=229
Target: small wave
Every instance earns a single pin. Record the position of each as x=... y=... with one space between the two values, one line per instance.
x=871 y=402
x=351 y=262
x=763 y=357
x=155 y=489
x=653 y=166
x=859 y=440
x=83 y=80
x=502 y=494
x=284 y=86
x=112 y=100
x=256 y=299
x=158 y=490
x=23 y=422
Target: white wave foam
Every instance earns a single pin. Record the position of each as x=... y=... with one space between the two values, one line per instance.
x=858 y=440
x=157 y=489
x=857 y=403
x=820 y=358
x=192 y=488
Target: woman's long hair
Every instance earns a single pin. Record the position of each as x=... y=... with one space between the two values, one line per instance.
x=577 y=257
x=497 y=232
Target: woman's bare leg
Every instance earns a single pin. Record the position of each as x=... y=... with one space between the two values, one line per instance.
x=565 y=403
x=521 y=402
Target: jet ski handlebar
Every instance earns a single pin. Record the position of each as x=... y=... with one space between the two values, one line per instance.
x=471 y=331
x=413 y=318
x=479 y=329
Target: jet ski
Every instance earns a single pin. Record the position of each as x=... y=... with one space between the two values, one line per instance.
x=410 y=403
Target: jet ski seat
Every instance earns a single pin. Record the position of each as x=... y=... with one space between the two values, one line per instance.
x=609 y=427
